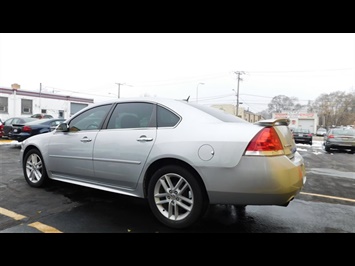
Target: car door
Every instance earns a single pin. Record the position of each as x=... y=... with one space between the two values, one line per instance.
x=121 y=151
x=70 y=153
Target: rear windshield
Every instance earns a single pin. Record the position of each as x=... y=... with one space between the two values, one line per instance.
x=347 y=132
x=217 y=113
x=301 y=130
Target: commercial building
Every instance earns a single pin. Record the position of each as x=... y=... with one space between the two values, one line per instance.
x=300 y=119
x=17 y=102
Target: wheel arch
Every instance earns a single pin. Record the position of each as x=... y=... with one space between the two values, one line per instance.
x=172 y=161
x=30 y=147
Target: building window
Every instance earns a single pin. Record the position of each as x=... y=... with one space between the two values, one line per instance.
x=26 y=107
x=61 y=113
x=43 y=111
x=3 y=105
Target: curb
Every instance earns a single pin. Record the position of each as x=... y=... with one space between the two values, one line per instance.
x=7 y=141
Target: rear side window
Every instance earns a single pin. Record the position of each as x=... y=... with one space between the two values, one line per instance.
x=166 y=118
x=132 y=115
x=8 y=122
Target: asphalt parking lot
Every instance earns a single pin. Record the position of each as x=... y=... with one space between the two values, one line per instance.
x=325 y=205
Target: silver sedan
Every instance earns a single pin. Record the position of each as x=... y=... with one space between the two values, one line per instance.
x=340 y=138
x=180 y=156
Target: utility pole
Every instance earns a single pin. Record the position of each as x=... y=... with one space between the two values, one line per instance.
x=119 y=88
x=239 y=78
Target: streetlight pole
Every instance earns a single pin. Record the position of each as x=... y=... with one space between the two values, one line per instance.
x=197 y=91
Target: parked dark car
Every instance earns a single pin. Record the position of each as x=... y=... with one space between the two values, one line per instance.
x=302 y=135
x=7 y=127
x=41 y=116
x=340 y=139
x=1 y=127
x=20 y=132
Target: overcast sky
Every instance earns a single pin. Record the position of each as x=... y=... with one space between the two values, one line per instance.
x=302 y=65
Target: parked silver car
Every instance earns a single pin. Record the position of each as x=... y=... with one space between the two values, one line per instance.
x=340 y=138
x=321 y=132
x=180 y=156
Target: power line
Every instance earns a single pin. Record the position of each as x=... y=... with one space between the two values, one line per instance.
x=119 y=88
x=302 y=71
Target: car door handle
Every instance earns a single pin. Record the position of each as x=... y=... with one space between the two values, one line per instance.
x=144 y=138
x=85 y=139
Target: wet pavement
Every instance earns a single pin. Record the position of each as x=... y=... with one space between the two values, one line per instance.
x=325 y=205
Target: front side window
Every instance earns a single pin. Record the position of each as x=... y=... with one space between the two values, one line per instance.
x=91 y=119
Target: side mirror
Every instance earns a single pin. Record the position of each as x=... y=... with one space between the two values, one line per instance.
x=63 y=127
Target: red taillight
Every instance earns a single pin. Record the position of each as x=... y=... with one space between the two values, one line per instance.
x=331 y=136
x=26 y=129
x=266 y=142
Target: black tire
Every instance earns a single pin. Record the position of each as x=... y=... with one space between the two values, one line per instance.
x=186 y=202
x=327 y=148
x=34 y=169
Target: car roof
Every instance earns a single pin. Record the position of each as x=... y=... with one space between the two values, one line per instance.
x=181 y=106
x=44 y=120
x=140 y=99
x=25 y=118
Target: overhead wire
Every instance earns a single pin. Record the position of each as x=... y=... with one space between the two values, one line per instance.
x=211 y=76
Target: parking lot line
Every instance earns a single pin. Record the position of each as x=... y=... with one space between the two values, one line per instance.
x=326 y=196
x=44 y=228
x=11 y=214
x=39 y=226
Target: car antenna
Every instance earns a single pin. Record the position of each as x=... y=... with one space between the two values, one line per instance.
x=187 y=99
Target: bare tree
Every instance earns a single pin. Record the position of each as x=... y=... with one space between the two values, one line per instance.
x=282 y=103
x=335 y=109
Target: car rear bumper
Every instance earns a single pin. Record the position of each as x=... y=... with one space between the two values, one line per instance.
x=340 y=146
x=19 y=138
x=303 y=140
x=258 y=181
